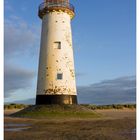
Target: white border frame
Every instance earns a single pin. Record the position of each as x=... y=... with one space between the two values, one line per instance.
x=2 y=66
x=138 y=66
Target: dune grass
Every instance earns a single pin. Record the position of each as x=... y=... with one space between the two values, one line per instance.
x=15 y=106
x=113 y=106
x=89 y=106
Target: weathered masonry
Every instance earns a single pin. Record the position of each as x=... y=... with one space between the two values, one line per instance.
x=56 y=74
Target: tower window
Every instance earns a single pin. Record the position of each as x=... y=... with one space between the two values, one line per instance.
x=57 y=45
x=59 y=76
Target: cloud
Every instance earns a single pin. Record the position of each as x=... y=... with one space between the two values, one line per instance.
x=7 y=6
x=26 y=101
x=19 y=36
x=21 y=43
x=16 y=78
x=120 y=90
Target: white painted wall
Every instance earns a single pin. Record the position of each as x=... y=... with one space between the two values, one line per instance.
x=56 y=26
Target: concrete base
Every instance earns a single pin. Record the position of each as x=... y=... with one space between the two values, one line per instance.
x=56 y=99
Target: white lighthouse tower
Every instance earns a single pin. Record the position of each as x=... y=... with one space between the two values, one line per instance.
x=56 y=74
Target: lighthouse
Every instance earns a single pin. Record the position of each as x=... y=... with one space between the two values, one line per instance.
x=56 y=74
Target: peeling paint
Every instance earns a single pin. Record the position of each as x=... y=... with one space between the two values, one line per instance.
x=53 y=61
x=57 y=90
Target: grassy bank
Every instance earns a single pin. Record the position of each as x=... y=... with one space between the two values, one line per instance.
x=57 y=111
x=64 y=111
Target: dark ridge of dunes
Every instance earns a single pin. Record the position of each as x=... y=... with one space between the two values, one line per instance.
x=57 y=111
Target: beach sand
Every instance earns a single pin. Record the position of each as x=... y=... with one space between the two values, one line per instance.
x=113 y=125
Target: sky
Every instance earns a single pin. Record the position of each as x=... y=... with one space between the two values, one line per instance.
x=104 y=43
